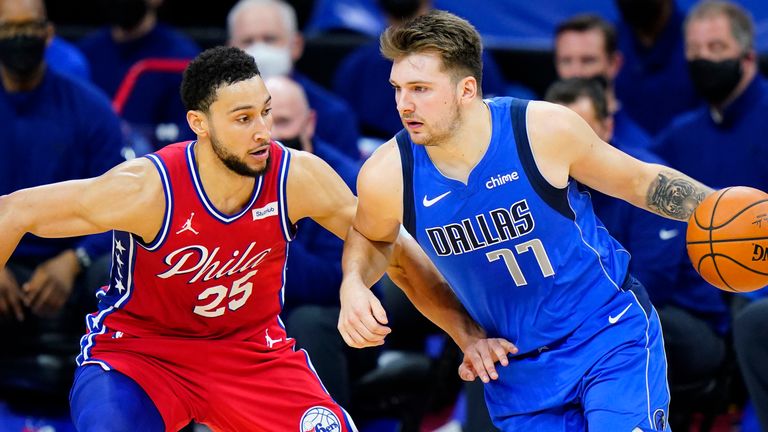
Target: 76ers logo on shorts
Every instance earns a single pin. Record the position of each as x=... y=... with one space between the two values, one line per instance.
x=319 y=419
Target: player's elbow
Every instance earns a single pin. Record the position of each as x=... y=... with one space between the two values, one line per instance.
x=12 y=215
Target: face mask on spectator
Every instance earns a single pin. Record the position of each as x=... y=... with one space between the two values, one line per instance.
x=641 y=14
x=271 y=60
x=293 y=143
x=715 y=81
x=126 y=14
x=21 y=55
x=600 y=79
x=400 y=9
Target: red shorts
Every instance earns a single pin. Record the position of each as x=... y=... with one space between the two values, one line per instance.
x=226 y=385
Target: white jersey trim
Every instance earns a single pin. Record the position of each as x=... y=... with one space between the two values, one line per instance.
x=209 y=207
x=165 y=227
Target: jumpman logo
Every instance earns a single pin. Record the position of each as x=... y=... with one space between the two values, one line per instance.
x=188 y=225
x=271 y=342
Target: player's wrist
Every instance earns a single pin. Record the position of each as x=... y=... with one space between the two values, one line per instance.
x=468 y=334
x=352 y=281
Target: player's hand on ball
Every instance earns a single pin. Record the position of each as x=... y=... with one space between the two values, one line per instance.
x=362 y=321
x=480 y=358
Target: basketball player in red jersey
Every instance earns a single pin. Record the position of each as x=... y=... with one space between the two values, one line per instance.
x=188 y=327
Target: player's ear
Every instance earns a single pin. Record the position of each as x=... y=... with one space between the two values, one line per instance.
x=197 y=122
x=467 y=88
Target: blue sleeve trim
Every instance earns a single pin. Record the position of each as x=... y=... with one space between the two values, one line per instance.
x=406 y=161
x=163 y=233
x=289 y=230
x=554 y=197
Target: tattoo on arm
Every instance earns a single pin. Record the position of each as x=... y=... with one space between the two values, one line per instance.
x=675 y=195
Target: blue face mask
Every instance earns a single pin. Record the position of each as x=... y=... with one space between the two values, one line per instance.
x=22 y=55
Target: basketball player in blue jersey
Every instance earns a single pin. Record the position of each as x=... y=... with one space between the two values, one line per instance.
x=485 y=188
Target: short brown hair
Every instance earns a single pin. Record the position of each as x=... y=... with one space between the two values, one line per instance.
x=568 y=91
x=453 y=38
x=586 y=22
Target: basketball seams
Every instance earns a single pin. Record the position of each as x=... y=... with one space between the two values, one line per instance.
x=714 y=263
x=712 y=213
x=739 y=264
x=729 y=258
x=696 y=219
x=740 y=269
x=738 y=214
x=711 y=246
x=726 y=240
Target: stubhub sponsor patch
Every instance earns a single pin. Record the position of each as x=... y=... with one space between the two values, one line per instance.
x=266 y=211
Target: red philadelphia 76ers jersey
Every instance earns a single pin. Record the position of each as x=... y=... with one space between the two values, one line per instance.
x=206 y=274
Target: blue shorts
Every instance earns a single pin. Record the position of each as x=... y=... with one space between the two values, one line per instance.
x=610 y=375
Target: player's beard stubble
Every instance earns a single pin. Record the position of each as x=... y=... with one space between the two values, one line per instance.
x=441 y=130
x=234 y=163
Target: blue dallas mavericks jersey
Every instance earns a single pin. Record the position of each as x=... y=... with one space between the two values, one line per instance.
x=530 y=262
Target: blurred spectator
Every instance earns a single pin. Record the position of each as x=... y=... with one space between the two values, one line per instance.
x=134 y=34
x=267 y=30
x=728 y=134
x=653 y=84
x=728 y=138
x=750 y=328
x=359 y=16
x=586 y=47
x=362 y=78
x=311 y=308
x=65 y=58
x=55 y=128
x=693 y=341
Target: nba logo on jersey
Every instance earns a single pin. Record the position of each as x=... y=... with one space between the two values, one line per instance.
x=319 y=419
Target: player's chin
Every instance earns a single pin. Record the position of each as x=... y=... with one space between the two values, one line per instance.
x=419 y=138
x=251 y=168
x=259 y=170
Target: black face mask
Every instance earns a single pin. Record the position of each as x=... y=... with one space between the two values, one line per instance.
x=293 y=143
x=126 y=14
x=715 y=81
x=400 y=9
x=641 y=15
x=599 y=79
x=22 y=55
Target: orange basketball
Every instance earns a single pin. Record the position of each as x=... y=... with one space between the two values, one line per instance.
x=727 y=239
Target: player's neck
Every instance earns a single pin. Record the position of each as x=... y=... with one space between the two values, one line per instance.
x=457 y=156
x=228 y=191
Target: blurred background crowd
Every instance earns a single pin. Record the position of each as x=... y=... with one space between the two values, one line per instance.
x=87 y=84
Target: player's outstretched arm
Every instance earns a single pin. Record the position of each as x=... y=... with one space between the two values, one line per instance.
x=425 y=287
x=129 y=197
x=316 y=191
x=378 y=242
x=565 y=146
x=368 y=248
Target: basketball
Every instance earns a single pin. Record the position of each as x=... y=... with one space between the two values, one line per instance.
x=727 y=239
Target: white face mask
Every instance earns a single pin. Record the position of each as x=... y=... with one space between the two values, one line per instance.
x=271 y=60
